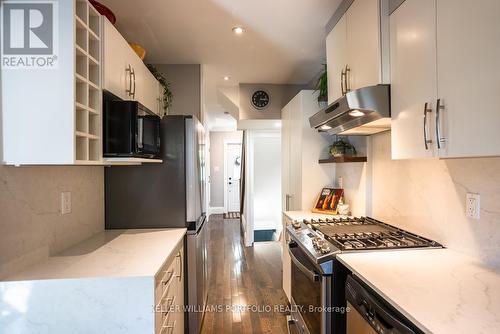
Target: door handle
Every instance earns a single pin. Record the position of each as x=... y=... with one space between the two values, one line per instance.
x=439 y=107
x=426 y=111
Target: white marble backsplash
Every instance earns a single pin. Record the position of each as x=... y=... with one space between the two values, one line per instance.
x=428 y=197
x=31 y=225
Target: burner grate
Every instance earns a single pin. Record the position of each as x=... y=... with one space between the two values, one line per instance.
x=366 y=233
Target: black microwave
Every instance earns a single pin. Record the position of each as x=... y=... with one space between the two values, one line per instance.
x=130 y=130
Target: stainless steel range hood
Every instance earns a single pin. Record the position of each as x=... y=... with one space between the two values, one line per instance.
x=361 y=112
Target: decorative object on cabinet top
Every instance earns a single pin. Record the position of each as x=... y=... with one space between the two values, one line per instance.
x=139 y=50
x=168 y=97
x=322 y=88
x=103 y=10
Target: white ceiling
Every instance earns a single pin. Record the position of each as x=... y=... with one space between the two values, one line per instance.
x=284 y=41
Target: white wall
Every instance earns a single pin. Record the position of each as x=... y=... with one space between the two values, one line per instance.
x=267 y=182
x=31 y=226
x=428 y=197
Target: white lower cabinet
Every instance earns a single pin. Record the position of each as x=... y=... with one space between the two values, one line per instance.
x=286 y=260
x=445 y=68
x=169 y=295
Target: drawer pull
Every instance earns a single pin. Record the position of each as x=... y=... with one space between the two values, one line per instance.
x=168 y=273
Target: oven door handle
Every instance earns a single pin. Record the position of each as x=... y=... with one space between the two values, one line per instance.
x=313 y=276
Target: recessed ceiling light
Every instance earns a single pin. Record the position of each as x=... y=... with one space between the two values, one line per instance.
x=356 y=113
x=238 y=30
x=226 y=78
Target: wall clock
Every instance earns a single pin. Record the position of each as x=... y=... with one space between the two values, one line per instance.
x=260 y=99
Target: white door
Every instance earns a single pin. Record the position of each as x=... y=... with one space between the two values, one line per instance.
x=413 y=79
x=363 y=44
x=336 y=58
x=233 y=177
x=468 y=63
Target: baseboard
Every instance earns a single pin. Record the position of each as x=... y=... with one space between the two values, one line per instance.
x=215 y=210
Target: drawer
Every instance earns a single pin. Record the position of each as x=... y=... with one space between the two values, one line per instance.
x=168 y=324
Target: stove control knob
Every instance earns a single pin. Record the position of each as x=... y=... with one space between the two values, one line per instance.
x=325 y=248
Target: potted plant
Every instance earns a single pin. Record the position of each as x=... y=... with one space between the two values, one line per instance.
x=322 y=87
x=342 y=147
x=167 y=93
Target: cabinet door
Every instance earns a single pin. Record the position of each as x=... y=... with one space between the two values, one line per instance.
x=363 y=43
x=413 y=78
x=295 y=176
x=285 y=156
x=116 y=61
x=468 y=63
x=286 y=260
x=336 y=58
x=147 y=88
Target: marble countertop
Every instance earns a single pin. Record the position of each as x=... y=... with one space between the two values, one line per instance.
x=439 y=290
x=111 y=253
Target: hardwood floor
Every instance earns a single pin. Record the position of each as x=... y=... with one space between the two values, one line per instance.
x=246 y=283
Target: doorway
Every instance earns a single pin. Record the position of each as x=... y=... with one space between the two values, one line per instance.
x=232 y=177
x=263 y=217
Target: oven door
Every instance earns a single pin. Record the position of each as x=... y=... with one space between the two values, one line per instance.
x=311 y=292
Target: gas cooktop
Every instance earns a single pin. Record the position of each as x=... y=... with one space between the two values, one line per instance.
x=333 y=235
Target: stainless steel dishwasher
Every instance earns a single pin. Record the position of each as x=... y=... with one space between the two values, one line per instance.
x=370 y=314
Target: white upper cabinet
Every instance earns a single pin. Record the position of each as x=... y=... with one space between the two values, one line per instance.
x=363 y=44
x=413 y=79
x=336 y=58
x=354 y=49
x=468 y=65
x=445 y=55
x=52 y=115
x=125 y=75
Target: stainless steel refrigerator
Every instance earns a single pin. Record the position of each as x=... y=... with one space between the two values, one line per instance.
x=170 y=194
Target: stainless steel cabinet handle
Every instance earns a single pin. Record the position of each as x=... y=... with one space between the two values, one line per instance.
x=426 y=111
x=342 y=76
x=179 y=256
x=133 y=76
x=439 y=107
x=129 y=71
x=347 y=85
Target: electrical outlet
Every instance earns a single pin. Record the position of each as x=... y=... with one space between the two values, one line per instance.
x=65 y=202
x=472 y=206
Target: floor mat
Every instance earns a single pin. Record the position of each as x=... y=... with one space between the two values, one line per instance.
x=263 y=235
x=232 y=215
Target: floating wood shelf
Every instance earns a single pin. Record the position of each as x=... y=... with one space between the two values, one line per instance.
x=344 y=159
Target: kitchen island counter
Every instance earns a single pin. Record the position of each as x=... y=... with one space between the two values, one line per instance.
x=106 y=284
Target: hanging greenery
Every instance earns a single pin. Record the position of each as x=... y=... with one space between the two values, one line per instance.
x=322 y=85
x=167 y=94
